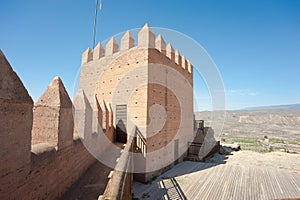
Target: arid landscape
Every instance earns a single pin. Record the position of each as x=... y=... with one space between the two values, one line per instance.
x=264 y=129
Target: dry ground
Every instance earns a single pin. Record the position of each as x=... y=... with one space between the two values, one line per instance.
x=261 y=130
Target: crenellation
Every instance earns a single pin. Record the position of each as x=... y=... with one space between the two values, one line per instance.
x=160 y=44
x=87 y=56
x=127 y=42
x=190 y=67
x=177 y=57
x=170 y=52
x=183 y=62
x=110 y=115
x=146 y=38
x=53 y=118
x=98 y=52
x=83 y=113
x=98 y=116
x=105 y=115
x=111 y=47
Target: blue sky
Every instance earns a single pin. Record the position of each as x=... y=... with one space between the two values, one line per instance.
x=255 y=44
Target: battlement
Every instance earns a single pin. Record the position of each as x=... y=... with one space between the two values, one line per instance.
x=39 y=141
x=48 y=138
x=146 y=39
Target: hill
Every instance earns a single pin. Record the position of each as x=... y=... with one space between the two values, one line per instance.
x=277 y=126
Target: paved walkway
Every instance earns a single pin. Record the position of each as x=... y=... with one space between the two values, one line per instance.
x=233 y=180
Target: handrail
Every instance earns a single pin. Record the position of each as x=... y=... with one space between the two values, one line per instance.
x=120 y=184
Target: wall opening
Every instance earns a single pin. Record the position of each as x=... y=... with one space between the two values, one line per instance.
x=121 y=124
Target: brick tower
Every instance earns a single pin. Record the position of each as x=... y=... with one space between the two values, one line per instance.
x=147 y=89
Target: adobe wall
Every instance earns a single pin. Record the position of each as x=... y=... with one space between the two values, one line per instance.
x=53 y=172
x=124 y=76
x=113 y=72
x=40 y=156
x=15 y=129
x=42 y=148
x=117 y=85
x=177 y=99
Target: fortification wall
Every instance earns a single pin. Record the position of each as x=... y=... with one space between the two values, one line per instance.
x=41 y=155
x=42 y=150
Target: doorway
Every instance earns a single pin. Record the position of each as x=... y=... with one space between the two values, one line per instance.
x=121 y=124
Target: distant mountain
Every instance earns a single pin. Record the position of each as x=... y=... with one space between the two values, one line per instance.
x=289 y=106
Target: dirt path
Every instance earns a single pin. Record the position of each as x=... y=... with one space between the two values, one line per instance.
x=274 y=160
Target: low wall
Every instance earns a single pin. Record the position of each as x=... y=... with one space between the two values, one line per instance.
x=119 y=187
x=53 y=172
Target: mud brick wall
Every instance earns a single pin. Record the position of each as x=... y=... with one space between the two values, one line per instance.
x=124 y=76
x=40 y=156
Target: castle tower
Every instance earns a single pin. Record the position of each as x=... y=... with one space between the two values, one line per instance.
x=150 y=90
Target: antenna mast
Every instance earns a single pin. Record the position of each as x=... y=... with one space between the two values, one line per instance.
x=95 y=21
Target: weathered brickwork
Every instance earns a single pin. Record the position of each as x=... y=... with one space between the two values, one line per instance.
x=42 y=145
x=127 y=77
x=52 y=117
x=39 y=158
x=15 y=129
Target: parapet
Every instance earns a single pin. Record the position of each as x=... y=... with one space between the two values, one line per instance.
x=146 y=39
x=83 y=114
x=98 y=52
x=87 y=56
x=15 y=128
x=110 y=115
x=111 y=47
x=105 y=114
x=177 y=58
x=26 y=168
x=160 y=44
x=127 y=41
x=53 y=118
x=170 y=52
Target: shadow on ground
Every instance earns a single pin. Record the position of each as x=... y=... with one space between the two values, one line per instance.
x=166 y=187
x=91 y=184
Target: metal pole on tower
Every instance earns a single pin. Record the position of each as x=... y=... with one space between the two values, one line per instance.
x=95 y=21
